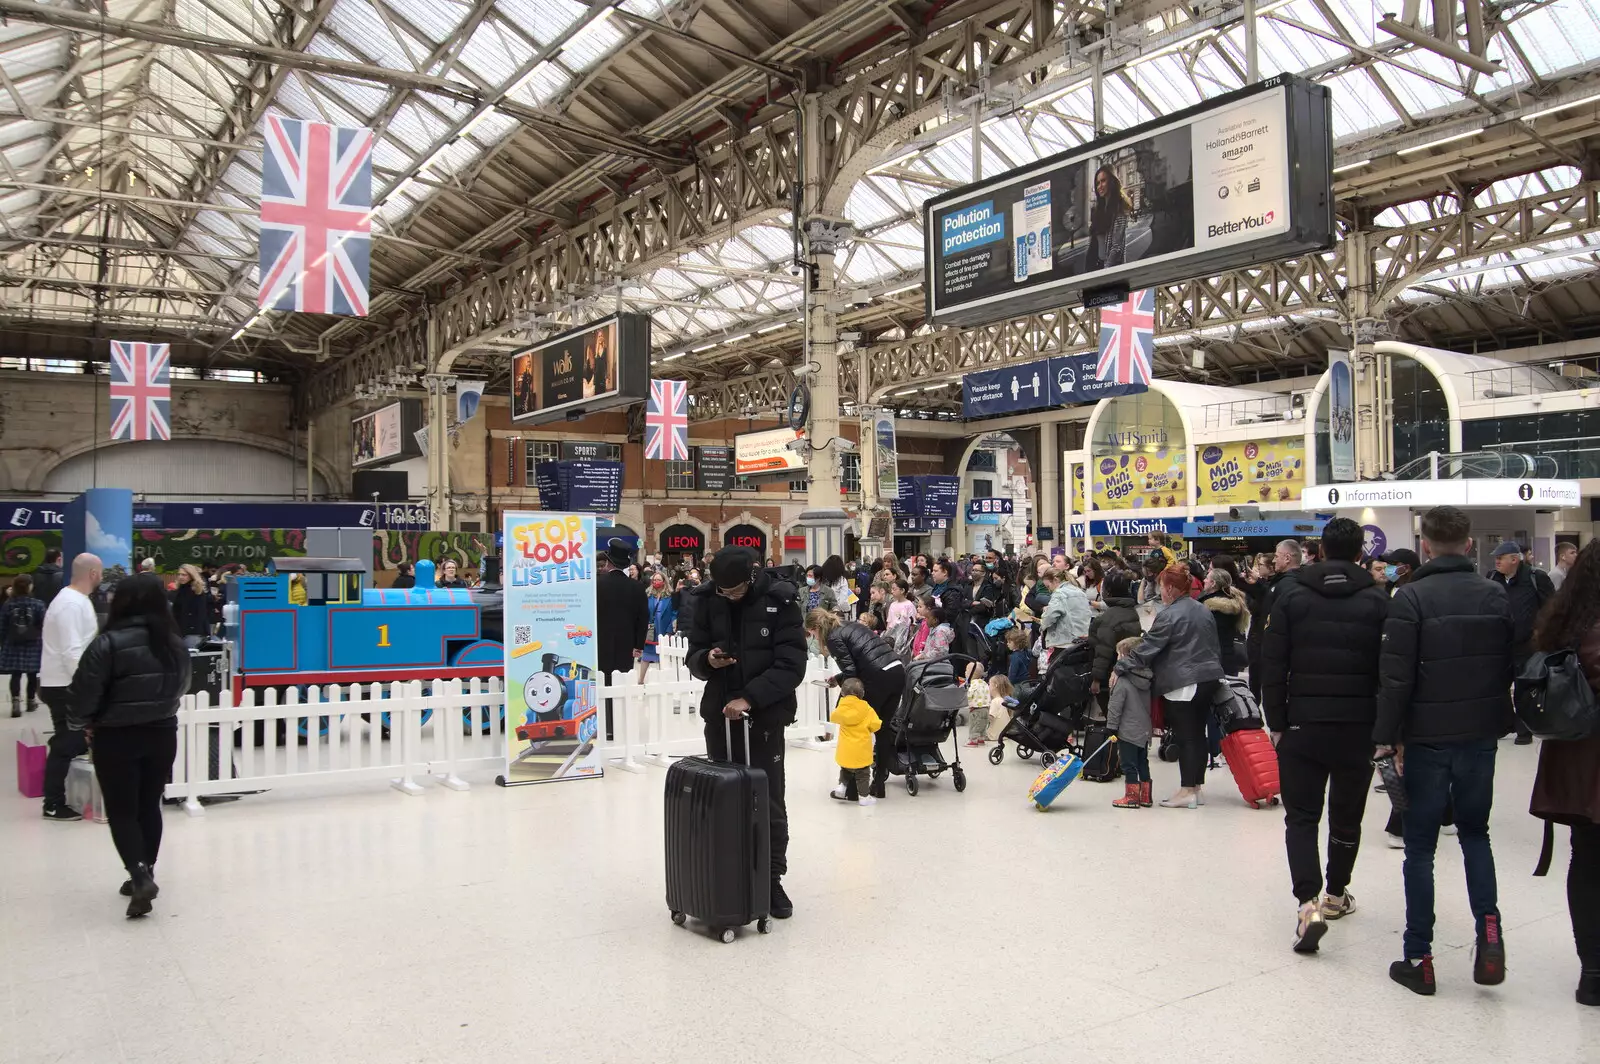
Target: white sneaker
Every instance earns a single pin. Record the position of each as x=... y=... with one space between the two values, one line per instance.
x=867 y=800
x=1396 y=842
x=1309 y=928
x=1333 y=908
x=839 y=793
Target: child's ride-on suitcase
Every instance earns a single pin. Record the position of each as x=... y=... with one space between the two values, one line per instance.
x=719 y=842
x=1254 y=764
x=1058 y=776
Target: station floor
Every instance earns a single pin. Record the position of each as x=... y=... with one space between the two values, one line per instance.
x=529 y=924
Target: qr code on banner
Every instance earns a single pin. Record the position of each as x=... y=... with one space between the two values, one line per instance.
x=522 y=634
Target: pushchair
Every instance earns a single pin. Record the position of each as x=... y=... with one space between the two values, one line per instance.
x=927 y=715
x=1054 y=708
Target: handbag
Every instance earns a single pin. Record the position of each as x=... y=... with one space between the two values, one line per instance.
x=1553 y=697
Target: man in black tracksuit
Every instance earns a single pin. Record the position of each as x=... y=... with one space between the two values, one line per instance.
x=748 y=643
x=1444 y=703
x=1319 y=679
x=1527 y=589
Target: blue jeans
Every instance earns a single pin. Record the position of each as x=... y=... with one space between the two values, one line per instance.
x=1437 y=776
x=1135 y=761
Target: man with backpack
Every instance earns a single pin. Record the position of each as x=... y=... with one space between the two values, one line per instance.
x=1444 y=703
x=1319 y=681
x=1527 y=589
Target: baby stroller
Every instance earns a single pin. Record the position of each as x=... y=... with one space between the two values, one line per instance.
x=926 y=717
x=1048 y=713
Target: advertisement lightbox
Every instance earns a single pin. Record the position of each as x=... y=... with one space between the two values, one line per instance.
x=767 y=453
x=601 y=366
x=387 y=435
x=1241 y=179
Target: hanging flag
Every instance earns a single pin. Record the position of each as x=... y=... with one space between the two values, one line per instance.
x=666 y=421
x=1128 y=339
x=141 y=391
x=316 y=217
x=468 y=395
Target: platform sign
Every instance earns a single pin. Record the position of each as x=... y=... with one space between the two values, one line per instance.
x=552 y=660
x=1240 y=179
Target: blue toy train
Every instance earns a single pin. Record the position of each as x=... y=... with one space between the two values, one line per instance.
x=313 y=621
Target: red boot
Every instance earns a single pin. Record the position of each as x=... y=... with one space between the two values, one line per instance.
x=1130 y=797
x=1145 y=798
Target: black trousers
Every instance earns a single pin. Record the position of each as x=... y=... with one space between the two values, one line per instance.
x=1313 y=759
x=766 y=752
x=65 y=745
x=16 y=684
x=1583 y=887
x=1188 y=723
x=133 y=765
x=884 y=697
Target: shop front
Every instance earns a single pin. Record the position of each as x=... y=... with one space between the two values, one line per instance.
x=1129 y=535
x=747 y=536
x=682 y=545
x=1245 y=539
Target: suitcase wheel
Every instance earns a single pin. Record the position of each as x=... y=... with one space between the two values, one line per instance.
x=679 y=918
x=764 y=925
x=997 y=755
x=727 y=934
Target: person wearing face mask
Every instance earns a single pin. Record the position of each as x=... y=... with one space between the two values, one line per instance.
x=662 y=617
x=818 y=595
x=1398 y=565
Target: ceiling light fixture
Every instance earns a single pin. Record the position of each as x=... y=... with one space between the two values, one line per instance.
x=1358 y=164
x=1469 y=134
x=1569 y=105
x=674 y=358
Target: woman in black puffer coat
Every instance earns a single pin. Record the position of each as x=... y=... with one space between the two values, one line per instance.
x=861 y=654
x=1116 y=621
x=124 y=698
x=1230 y=608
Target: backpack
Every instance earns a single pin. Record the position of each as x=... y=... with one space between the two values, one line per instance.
x=1553 y=697
x=1235 y=707
x=21 y=627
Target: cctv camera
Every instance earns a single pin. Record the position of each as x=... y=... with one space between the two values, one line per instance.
x=860 y=298
x=798 y=446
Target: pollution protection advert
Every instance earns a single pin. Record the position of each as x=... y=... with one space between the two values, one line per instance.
x=1146 y=205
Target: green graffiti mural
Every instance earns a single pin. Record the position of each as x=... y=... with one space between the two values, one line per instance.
x=249 y=547
x=389 y=549
x=23 y=552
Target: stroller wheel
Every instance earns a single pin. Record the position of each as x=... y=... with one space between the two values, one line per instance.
x=959 y=778
x=997 y=755
x=1024 y=752
x=911 y=785
x=1046 y=758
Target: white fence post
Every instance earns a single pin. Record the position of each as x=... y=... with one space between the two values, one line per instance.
x=405 y=721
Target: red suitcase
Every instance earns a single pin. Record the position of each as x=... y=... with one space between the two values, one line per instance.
x=1254 y=764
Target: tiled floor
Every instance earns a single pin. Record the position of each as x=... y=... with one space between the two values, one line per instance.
x=529 y=925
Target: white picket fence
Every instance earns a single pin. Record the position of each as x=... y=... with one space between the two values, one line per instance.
x=407 y=732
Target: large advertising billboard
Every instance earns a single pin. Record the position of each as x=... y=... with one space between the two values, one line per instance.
x=601 y=366
x=552 y=662
x=1250 y=471
x=1341 y=415
x=767 y=452
x=386 y=435
x=1241 y=179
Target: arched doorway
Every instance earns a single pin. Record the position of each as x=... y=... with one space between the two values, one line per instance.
x=997 y=504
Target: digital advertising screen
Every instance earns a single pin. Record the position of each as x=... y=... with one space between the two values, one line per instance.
x=601 y=366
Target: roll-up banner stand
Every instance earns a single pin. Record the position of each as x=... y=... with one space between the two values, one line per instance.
x=1241 y=179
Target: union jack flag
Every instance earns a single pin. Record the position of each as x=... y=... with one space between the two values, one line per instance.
x=141 y=391
x=316 y=217
x=1128 y=339
x=666 y=421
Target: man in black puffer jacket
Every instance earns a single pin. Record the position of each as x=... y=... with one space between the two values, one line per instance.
x=1445 y=700
x=1527 y=589
x=1319 y=681
x=748 y=643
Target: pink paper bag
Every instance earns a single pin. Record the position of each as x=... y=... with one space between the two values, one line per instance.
x=30 y=765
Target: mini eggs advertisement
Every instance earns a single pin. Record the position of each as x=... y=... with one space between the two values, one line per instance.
x=1140 y=480
x=552 y=712
x=1255 y=471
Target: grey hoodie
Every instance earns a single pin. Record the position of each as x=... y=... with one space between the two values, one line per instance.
x=1128 y=715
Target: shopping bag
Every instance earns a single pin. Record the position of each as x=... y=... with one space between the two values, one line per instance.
x=83 y=790
x=31 y=754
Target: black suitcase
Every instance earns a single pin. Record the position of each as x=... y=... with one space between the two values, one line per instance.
x=1105 y=766
x=719 y=843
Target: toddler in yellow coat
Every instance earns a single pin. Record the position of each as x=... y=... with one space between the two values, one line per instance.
x=857 y=721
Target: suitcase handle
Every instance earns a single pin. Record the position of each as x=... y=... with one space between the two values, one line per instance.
x=727 y=732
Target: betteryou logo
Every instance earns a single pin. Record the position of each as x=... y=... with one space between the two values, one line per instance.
x=1253 y=221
